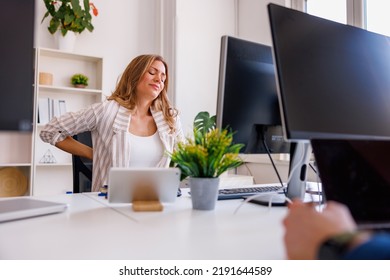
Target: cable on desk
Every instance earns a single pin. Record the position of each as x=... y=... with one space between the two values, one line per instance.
x=313 y=168
x=320 y=193
x=272 y=161
x=259 y=195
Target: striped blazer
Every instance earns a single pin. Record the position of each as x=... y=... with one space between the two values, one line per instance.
x=108 y=123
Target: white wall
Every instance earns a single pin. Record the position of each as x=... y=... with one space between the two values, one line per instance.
x=199 y=27
x=253 y=20
x=123 y=30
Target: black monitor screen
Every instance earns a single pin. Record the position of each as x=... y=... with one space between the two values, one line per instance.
x=247 y=97
x=17 y=65
x=334 y=79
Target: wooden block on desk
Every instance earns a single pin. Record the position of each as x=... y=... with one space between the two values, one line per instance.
x=147 y=205
x=145 y=198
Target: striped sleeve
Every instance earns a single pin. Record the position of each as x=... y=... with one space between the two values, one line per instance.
x=71 y=123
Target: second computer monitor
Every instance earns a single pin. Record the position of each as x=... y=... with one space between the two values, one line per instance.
x=247 y=97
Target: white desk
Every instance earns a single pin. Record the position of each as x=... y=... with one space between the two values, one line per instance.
x=93 y=229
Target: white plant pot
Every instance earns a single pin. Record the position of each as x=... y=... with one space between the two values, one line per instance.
x=67 y=42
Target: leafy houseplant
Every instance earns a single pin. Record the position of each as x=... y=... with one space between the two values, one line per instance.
x=79 y=80
x=207 y=155
x=67 y=15
x=210 y=153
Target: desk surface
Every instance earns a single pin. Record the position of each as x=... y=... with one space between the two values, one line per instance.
x=93 y=229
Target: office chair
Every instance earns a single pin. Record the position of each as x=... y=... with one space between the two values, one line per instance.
x=82 y=167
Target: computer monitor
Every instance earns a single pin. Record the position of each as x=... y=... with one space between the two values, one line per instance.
x=247 y=98
x=17 y=65
x=333 y=78
x=334 y=90
x=248 y=105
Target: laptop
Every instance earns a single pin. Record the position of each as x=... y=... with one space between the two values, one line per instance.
x=25 y=207
x=124 y=182
x=356 y=173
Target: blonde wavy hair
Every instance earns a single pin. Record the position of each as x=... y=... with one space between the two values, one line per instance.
x=125 y=92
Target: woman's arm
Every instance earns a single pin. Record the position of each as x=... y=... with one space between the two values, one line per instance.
x=72 y=123
x=74 y=147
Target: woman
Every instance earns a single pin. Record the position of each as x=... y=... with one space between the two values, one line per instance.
x=135 y=126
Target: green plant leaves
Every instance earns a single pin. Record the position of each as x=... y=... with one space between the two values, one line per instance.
x=210 y=153
x=79 y=79
x=68 y=19
x=69 y=16
x=204 y=123
x=77 y=8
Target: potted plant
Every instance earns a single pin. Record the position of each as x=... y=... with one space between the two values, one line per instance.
x=204 y=158
x=67 y=15
x=79 y=80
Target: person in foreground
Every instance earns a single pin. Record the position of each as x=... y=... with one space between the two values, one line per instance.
x=330 y=234
x=135 y=126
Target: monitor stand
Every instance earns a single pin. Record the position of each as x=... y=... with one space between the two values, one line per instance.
x=299 y=161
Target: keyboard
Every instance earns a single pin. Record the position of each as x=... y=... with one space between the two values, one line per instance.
x=237 y=193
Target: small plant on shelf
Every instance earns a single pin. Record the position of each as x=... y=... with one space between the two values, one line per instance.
x=79 y=80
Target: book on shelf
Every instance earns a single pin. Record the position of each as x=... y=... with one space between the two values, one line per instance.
x=49 y=108
x=62 y=106
x=43 y=110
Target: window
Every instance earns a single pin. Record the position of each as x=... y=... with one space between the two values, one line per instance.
x=377 y=16
x=335 y=10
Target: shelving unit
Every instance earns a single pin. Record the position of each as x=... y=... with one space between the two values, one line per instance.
x=16 y=153
x=51 y=168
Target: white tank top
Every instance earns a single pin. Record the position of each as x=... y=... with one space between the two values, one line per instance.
x=145 y=151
